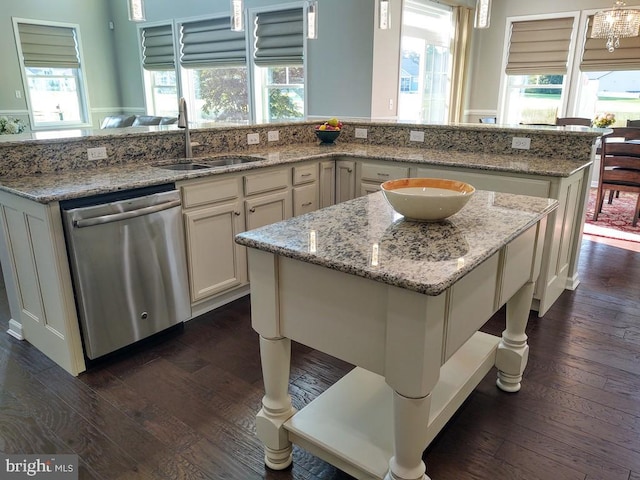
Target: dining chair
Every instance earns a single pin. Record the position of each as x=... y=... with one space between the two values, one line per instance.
x=619 y=167
x=633 y=123
x=573 y=121
x=487 y=119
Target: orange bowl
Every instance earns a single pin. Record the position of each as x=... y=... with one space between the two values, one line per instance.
x=427 y=199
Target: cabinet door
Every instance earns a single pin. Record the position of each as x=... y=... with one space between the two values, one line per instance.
x=327 y=183
x=345 y=180
x=267 y=209
x=367 y=188
x=305 y=199
x=216 y=263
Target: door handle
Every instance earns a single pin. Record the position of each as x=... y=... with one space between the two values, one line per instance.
x=114 y=217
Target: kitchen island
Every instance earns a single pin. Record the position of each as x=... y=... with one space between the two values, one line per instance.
x=403 y=301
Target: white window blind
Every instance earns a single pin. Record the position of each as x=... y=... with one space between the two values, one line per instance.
x=157 y=48
x=539 y=46
x=48 y=46
x=596 y=57
x=211 y=43
x=279 y=38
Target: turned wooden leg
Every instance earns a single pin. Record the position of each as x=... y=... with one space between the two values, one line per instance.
x=410 y=420
x=276 y=403
x=513 y=351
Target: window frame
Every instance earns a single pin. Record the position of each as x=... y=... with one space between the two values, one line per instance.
x=254 y=74
x=567 y=95
x=80 y=76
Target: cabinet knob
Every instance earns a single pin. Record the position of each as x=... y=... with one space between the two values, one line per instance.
x=349 y=170
x=237 y=214
x=252 y=210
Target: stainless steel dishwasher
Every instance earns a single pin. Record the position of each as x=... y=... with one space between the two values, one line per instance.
x=127 y=257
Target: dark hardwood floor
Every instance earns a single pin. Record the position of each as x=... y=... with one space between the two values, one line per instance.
x=184 y=408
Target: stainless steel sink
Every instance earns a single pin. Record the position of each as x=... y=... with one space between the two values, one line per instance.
x=184 y=166
x=216 y=162
x=225 y=161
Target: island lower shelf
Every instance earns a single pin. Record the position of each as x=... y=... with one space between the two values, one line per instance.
x=351 y=424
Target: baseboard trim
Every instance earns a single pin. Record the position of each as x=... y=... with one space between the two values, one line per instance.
x=15 y=329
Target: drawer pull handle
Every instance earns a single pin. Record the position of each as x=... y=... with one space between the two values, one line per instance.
x=305 y=175
x=306 y=204
x=383 y=174
x=252 y=209
x=349 y=170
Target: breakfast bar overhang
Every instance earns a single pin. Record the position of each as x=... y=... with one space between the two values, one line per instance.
x=401 y=300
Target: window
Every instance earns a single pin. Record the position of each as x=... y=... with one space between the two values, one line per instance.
x=50 y=58
x=159 y=67
x=427 y=30
x=213 y=70
x=535 y=91
x=278 y=66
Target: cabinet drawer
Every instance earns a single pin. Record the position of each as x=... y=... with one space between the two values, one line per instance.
x=495 y=182
x=305 y=174
x=209 y=191
x=381 y=173
x=305 y=199
x=265 y=182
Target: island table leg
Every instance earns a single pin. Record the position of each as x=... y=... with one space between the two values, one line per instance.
x=275 y=354
x=410 y=422
x=513 y=351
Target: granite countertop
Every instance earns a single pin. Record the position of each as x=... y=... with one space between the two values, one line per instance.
x=367 y=238
x=80 y=182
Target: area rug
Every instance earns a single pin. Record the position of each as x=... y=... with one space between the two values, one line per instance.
x=615 y=219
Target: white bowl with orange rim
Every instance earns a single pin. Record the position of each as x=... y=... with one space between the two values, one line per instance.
x=427 y=199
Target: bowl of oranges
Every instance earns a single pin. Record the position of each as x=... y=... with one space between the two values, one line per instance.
x=329 y=130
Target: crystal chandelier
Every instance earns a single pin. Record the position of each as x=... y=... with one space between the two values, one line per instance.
x=616 y=23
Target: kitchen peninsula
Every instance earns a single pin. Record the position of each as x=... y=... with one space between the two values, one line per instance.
x=401 y=300
x=288 y=177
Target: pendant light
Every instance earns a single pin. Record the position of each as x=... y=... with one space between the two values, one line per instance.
x=384 y=15
x=616 y=23
x=136 y=10
x=483 y=14
x=237 y=15
x=312 y=19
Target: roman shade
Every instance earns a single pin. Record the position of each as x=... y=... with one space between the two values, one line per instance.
x=157 y=48
x=211 y=43
x=539 y=46
x=279 y=38
x=48 y=46
x=596 y=57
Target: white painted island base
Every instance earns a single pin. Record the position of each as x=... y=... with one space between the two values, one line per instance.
x=418 y=356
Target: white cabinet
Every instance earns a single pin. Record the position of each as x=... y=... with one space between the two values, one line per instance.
x=345 y=180
x=38 y=280
x=327 y=183
x=213 y=215
x=370 y=174
x=564 y=228
x=306 y=192
x=267 y=197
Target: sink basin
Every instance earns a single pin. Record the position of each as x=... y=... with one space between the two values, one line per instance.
x=209 y=163
x=184 y=166
x=225 y=161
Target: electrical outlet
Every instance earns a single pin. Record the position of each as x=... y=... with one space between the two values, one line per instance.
x=253 y=138
x=18 y=94
x=522 y=143
x=273 y=135
x=391 y=104
x=97 y=153
x=416 y=136
x=361 y=133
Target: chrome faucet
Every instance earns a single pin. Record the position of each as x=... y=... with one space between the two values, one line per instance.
x=183 y=122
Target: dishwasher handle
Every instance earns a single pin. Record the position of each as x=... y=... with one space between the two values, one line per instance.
x=114 y=217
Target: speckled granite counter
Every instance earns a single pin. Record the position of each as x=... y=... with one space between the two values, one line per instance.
x=366 y=237
x=79 y=182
